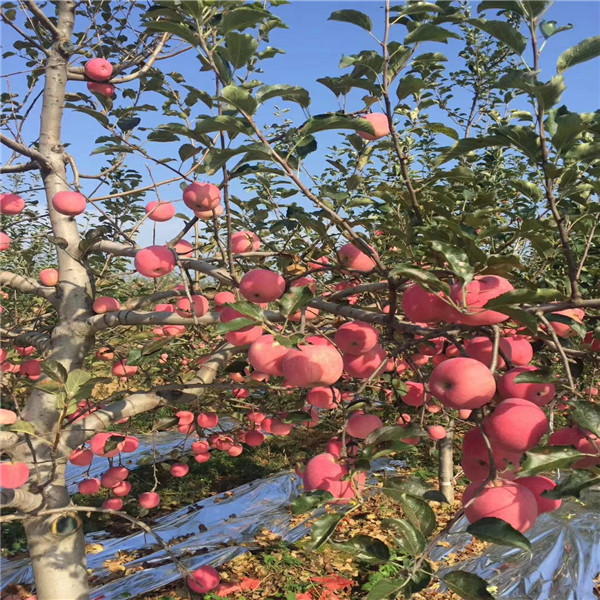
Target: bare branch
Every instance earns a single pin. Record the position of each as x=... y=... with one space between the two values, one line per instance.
x=20 y=499
x=24 y=338
x=24 y=150
x=130 y=317
x=39 y=13
x=22 y=168
x=27 y=285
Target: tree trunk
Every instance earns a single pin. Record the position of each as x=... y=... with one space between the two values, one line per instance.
x=56 y=543
x=446 y=468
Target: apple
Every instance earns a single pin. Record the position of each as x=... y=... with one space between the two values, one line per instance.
x=11 y=204
x=81 y=457
x=209 y=215
x=160 y=211
x=244 y=241
x=364 y=365
x=104 y=304
x=202 y=457
x=243 y=336
x=208 y=420
x=89 y=486
x=122 y=369
x=421 y=306
x=262 y=285
x=415 y=395
x=98 y=69
x=462 y=383
x=99 y=441
x=102 y=89
x=481 y=348
x=436 y=432
x=69 y=203
x=4 y=241
x=31 y=368
x=113 y=504
x=476 y=295
x=356 y=337
x=105 y=354
x=381 y=126
x=149 y=500
x=122 y=488
x=360 y=425
x=537 y=485
x=200 y=447
x=13 y=475
x=312 y=366
x=131 y=444
x=517 y=349
x=200 y=303
x=254 y=438
x=201 y=196
x=184 y=248
x=516 y=425
x=562 y=329
x=49 y=277
x=179 y=470
x=204 y=579
x=353 y=258
x=538 y=393
x=266 y=355
x=507 y=500
x=154 y=261
x=324 y=397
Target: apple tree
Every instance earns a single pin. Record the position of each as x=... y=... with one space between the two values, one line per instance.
x=177 y=238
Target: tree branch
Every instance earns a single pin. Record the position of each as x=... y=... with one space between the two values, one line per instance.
x=39 y=13
x=27 y=285
x=130 y=317
x=20 y=499
x=21 y=337
x=24 y=150
x=22 y=168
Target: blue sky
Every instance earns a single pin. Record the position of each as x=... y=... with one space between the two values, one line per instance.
x=313 y=47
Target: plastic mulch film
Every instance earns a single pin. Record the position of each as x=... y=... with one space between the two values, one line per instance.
x=563 y=564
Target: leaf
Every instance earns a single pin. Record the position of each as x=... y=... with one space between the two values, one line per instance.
x=159 y=135
x=418 y=513
x=540 y=460
x=468 y=145
x=441 y=128
x=430 y=33
x=22 y=427
x=549 y=28
x=365 y=548
x=240 y=48
x=54 y=370
x=234 y=325
x=456 y=258
x=536 y=377
x=503 y=31
x=502 y=5
x=177 y=29
x=129 y=123
x=328 y=121
x=424 y=278
x=309 y=501
x=248 y=309
x=467 y=585
x=75 y=381
x=322 y=530
x=409 y=540
x=526 y=296
x=491 y=529
x=295 y=299
x=241 y=18
x=582 y=52
x=392 y=433
x=385 y=589
x=292 y=93
x=187 y=151
x=100 y=117
x=240 y=98
x=409 y=85
x=576 y=482
x=352 y=16
x=587 y=415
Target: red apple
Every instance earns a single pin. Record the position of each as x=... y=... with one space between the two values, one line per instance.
x=154 y=261
x=160 y=211
x=538 y=393
x=380 y=124
x=49 y=277
x=102 y=89
x=266 y=355
x=11 y=204
x=312 y=366
x=98 y=69
x=201 y=196
x=149 y=500
x=262 y=285
x=4 y=241
x=69 y=203
x=244 y=241
x=361 y=426
x=356 y=337
x=104 y=304
x=204 y=579
x=353 y=258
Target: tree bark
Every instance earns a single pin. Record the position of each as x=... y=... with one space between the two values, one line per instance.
x=446 y=467
x=56 y=543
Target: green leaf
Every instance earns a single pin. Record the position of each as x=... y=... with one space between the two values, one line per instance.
x=295 y=299
x=240 y=98
x=75 y=381
x=430 y=33
x=393 y=433
x=328 y=121
x=441 y=128
x=352 y=16
x=536 y=377
x=386 y=589
x=531 y=190
x=322 y=530
x=409 y=85
x=501 y=5
x=520 y=316
x=309 y=501
x=159 y=135
x=424 y=278
x=456 y=258
x=365 y=548
x=540 y=460
x=503 y=31
x=234 y=325
x=248 y=309
x=587 y=415
x=534 y=8
x=549 y=28
x=101 y=118
x=491 y=529
x=577 y=481
x=582 y=52
x=292 y=93
x=526 y=296
x=21 y=427
x=129 y=123
x=575 y=325
x=418 y=513
x=240 y=48
x=187 y=151
x=54 y=370
x=177 y=29
x=243 y=17
x=409 y=540
x=468 y=145
x=467 y=585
